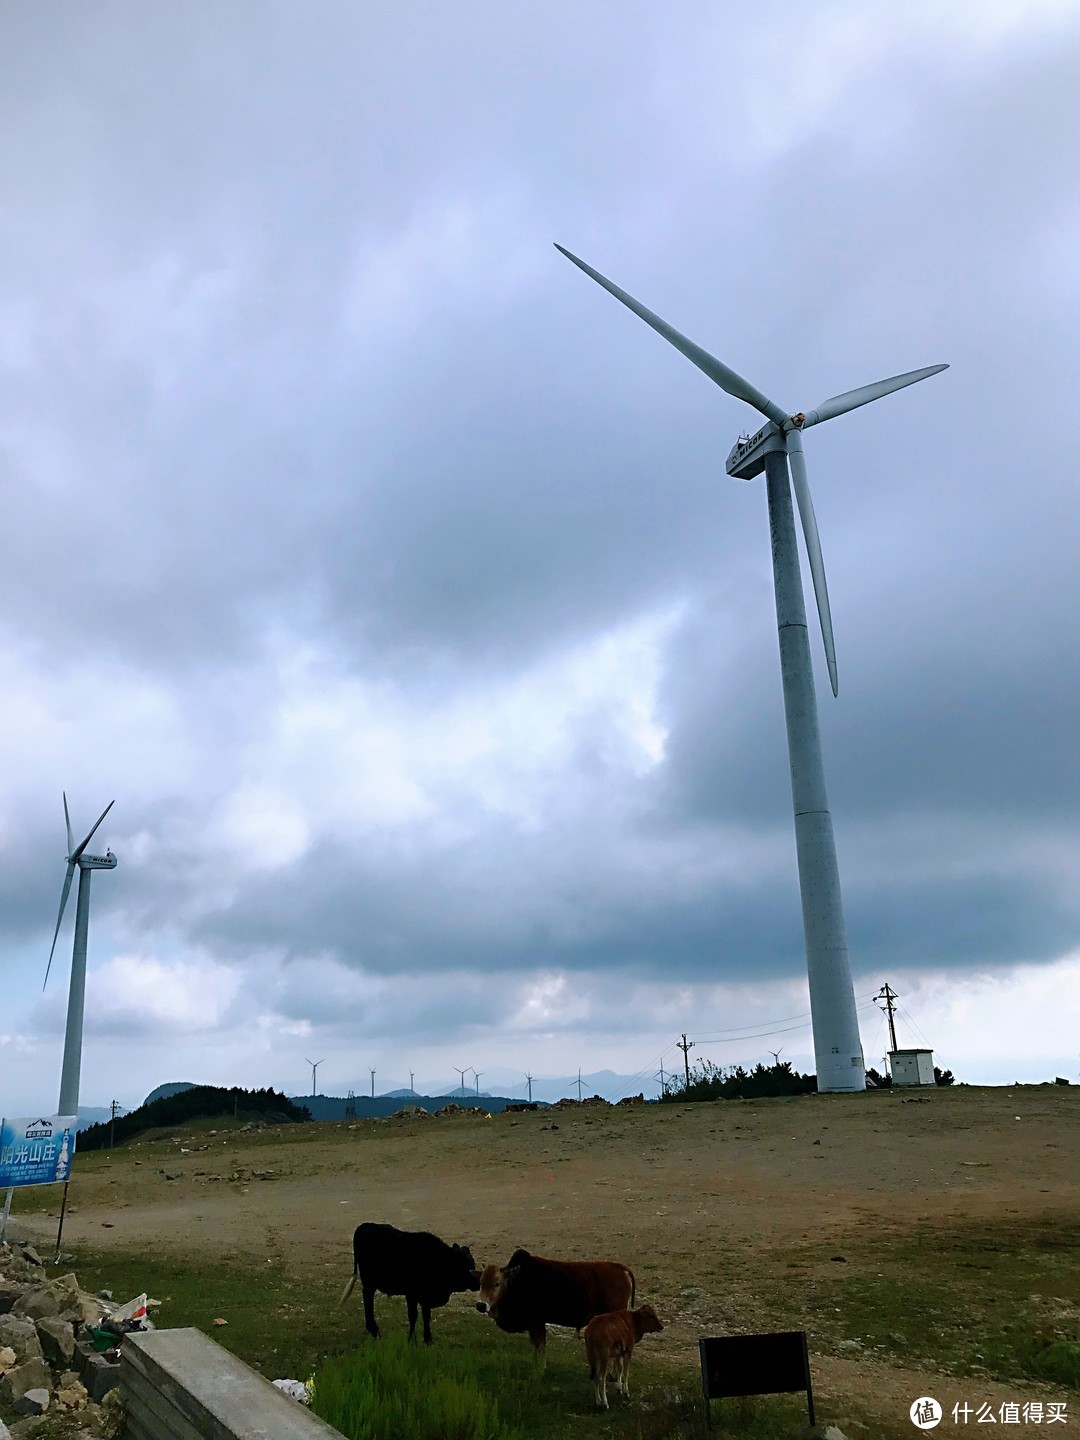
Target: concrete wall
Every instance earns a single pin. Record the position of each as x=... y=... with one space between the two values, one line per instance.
x=180 y=1385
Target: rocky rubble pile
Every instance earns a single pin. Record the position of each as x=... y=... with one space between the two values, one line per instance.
x=40 y=1383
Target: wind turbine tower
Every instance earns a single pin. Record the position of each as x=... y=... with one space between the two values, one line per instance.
x=314 y=1066
x=775 y=447
x=77 y=856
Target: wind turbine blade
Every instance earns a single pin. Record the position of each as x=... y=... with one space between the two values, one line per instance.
x=852 y=399
x=718 y=372
x=67 y=822
x=797 y=461
x=63 y=901
x=89 y=837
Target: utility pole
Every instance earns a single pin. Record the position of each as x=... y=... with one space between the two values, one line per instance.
x=686 y=1046
x=528 y=1081
x=663 y=1079
x=579 y=1084
x=372 y=1069
x=314 y=1066
x=114 y=1110
x=462 y=1073
x=888 y=996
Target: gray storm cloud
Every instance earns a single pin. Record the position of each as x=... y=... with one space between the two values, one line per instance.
x=385 y=569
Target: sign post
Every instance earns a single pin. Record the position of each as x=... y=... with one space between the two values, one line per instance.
x=755 y=1365
x=36 y=1152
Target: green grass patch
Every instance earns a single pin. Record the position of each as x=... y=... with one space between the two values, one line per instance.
x=396 y=1388
x=971 y=1301
x=475 y=1383
x=286 y=1327
x=279 y=1326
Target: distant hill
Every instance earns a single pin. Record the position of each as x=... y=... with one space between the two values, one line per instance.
x=514 y=1083
x=195 y=1102
x=173 y=1088
x=92 y=1115
x=332 y=1107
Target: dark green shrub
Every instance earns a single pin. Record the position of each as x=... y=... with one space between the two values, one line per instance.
x=1059 y=1361
x=713 y=1082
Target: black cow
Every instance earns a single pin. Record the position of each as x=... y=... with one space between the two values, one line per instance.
x=413 y=1263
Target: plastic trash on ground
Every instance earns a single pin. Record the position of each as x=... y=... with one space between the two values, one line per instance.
x=294 y=1388
x=133 y=1310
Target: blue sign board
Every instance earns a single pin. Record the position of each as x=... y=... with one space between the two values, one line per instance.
x=36 y=1152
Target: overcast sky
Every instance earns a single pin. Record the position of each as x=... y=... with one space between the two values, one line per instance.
x=386 y=573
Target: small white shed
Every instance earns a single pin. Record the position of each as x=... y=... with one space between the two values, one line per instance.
x=912 y=1067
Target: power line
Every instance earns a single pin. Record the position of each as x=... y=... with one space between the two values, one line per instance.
x=941 y=1058
x=758 y=1035
x=731 y=1036
x=641 y=1074
x=918 y=1033
x=736 y=1030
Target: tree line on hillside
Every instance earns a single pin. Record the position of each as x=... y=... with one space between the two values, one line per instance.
x=735 y=1082
x=883 y=1082
x=201 y=1102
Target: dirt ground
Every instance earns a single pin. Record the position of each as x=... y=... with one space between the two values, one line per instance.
x=732 y=1214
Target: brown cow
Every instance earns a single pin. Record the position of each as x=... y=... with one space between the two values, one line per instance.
x=529 y=1293
x=609 y=1344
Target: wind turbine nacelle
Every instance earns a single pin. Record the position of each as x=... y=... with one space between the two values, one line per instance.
x=747 y=458
x=97 y=862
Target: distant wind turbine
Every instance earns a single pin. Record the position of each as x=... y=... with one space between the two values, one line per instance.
x=462 y=1073
x=77 y=856
x=314 y=1066
x=778 y=444
x=477 y=1074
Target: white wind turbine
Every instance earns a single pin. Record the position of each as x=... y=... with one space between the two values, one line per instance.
x=837 y=1047
x=76 y=856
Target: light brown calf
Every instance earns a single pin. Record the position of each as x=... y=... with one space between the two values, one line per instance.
x=609 y=1343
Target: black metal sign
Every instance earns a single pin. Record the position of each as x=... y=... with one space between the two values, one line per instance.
x=756 y=1365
